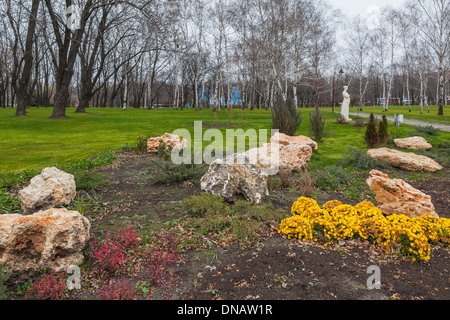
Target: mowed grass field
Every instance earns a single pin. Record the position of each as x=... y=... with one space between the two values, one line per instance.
x=413 y=115
x=36 y=141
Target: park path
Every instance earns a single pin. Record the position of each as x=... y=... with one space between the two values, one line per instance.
x=441 y=126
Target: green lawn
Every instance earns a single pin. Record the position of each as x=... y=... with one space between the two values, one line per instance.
x=35 y=141
x=413 y=115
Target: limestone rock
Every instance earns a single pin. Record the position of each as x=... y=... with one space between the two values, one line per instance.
x=413 y=143
x=273 y=157
x=52 y=188
x=405 y=160
x=284 y=139
x=395 y=196
x=171 y=141
x=234 y=176
x=51 y=239
x=283 y=153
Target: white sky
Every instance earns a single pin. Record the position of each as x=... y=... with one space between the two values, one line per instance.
x=355 y=7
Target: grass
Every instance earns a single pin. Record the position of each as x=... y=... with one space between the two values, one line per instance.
x=35 y=141
x=8 y=203
x=414 y=115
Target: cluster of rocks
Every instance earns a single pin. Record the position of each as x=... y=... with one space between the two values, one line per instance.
x=407 y=160
x=246 y=175
x=395 y=196
x=46 y=236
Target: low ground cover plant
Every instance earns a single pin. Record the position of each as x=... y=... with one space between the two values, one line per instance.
x=15 y=180
x=121 y=266
x=8 y=203
x=359 y=159
x=240 y=222
x=425 y=131
x=169 y=172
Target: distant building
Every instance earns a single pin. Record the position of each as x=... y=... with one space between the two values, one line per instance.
x=236 y=96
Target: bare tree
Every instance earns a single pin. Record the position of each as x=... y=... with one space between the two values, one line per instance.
x=359 y=54
x=432 y=21
x=22 y=50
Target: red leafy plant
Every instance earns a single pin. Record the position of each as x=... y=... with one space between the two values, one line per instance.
x=119 y=289
x=115 y=250
x=158 y=260
x=50 y=286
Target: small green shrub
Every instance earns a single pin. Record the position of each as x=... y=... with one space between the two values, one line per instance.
x=22 y=289
x=429 y=130
x=204 y=204
x=317 y=124
x=249 y=220
x=8 y=203
x=360 y=160
x=169 y=172
x=383 y=129
x=164 y=151
x=331 y=178
x=371 y=137
x=209 y=213
x=252 y=213
x=88 y=180
x=141 y=144
x=418 y=134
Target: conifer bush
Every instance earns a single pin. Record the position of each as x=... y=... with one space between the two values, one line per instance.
x=371 y=137
x=286 y=118
x=383 y=129
x=317 y=124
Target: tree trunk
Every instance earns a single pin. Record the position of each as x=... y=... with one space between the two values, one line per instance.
x=23 y=88
x=441 y=91
x=84 y=103
x=61 y=100
x=22 y=104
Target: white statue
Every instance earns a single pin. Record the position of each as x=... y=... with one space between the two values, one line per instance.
x=345 y=109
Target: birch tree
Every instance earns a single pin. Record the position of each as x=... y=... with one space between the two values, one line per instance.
x=432 y=21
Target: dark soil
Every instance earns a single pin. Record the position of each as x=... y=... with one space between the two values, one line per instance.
x=438 y=189
x=275 y=268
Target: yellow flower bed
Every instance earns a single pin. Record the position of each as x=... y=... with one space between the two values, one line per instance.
x=336 y=221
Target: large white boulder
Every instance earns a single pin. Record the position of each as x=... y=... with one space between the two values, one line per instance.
x=283 y=153
x=52 y=188
x=51 y=239
x=234 y=176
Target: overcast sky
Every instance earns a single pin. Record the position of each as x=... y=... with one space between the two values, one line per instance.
x=355 y=7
